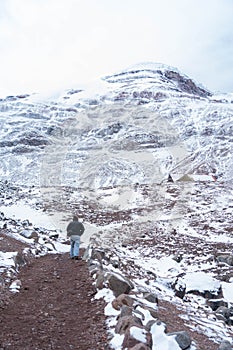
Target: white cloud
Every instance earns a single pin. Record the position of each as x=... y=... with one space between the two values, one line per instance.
x=58 y=43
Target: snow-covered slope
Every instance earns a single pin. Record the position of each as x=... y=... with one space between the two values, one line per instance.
x=105 y=151
x=150 y=114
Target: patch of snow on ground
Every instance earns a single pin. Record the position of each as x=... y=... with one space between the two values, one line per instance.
x=24 y=212
x=200 y=281
x=227 y=289
x=6 y=259
x=161 y=341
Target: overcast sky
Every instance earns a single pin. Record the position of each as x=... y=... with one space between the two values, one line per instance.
x=57 y=44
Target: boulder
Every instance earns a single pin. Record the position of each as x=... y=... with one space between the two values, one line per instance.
x=179 y=288
x=94 y=267
x=99 y=282
x=126 y=311
x=182 y=338
x=97 y=254
x=177 y=257
x=29 y=234
x=150 y=324
x=225 y=345
x=121 y=300
x=151 y=297
x=216 y=303
x=135 y=336
x=153 y=312
x=226 y=259
x=224 y=313
x=119 y=284
x=230 y=260
x=124 y=323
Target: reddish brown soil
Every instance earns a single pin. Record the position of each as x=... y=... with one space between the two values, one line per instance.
x=55 y=308
x=169 y=314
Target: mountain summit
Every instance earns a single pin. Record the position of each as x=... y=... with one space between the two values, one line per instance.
x=158 y=76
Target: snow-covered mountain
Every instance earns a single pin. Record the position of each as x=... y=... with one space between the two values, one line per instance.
x=104 y=132
x=106 y=150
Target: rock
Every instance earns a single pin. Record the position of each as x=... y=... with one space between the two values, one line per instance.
x=230 y=260
x=179 y=288
x=150 y=324
x=126 y=311
x=115 y=262
x=94 y=266
x=97 y=254
x=225 y=345
x=119 y=284
x=182 y=338
x=124 y=323
x=135 y=336
x=153 y=312
x=186 y=84
x=54 y=236
x=99 y=283
x=15 y=286
x=185 y=178
x=50 y=246
x=25 y=223
x=121 y=300
x=29 y=234
x=225 y=314
x=170 y=179
x=151 y=297
x=19 y=261
x=177 y=257
x=216 y=303
x=226 y=259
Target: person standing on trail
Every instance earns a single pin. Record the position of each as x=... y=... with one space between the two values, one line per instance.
x=74 y=230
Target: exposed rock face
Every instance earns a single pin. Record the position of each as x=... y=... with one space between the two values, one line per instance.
x=186 y=85
x=157 y=73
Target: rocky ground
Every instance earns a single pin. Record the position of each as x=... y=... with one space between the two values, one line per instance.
x=55 y=308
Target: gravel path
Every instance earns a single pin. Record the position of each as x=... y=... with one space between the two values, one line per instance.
x=55 y=308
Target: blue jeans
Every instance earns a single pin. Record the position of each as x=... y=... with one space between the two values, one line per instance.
x=74 y=246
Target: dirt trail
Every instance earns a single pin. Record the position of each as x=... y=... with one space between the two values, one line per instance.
x=55 y=308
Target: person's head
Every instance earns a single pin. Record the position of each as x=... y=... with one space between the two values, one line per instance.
x=75 y=218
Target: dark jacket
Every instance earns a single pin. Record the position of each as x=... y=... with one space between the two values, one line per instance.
x=75 y=228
